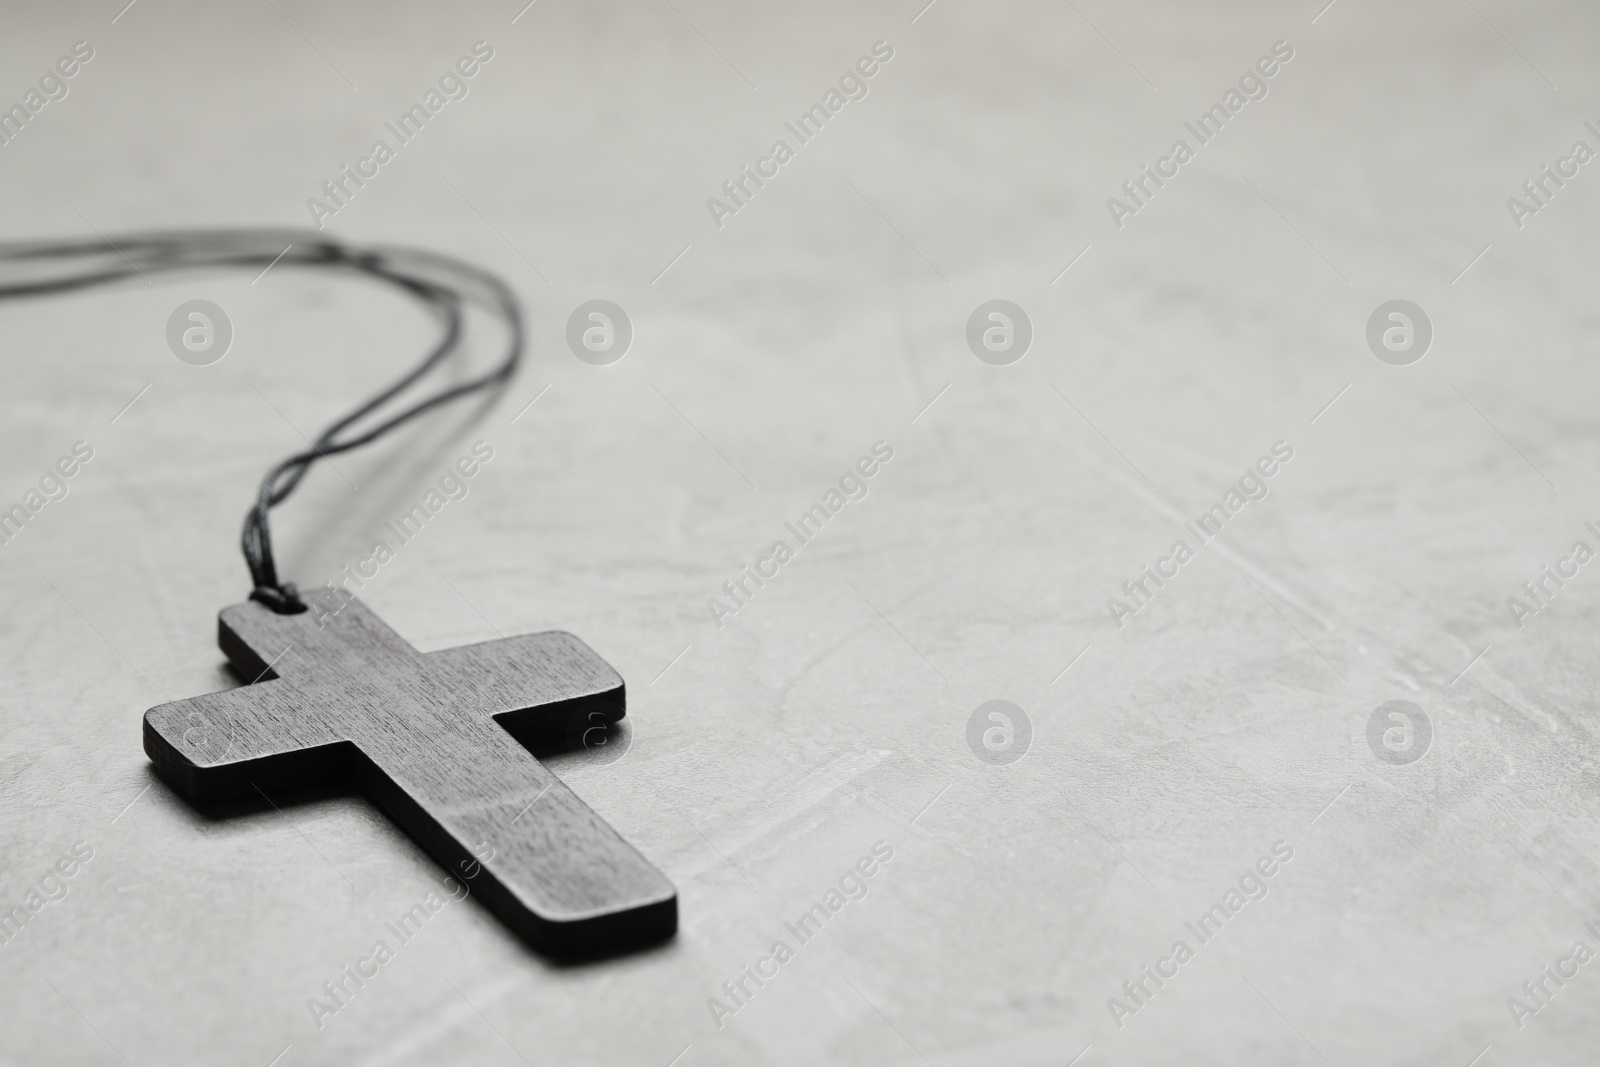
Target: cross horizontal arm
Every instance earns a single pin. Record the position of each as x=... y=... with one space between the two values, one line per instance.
x=214 y=747
x=536 y=685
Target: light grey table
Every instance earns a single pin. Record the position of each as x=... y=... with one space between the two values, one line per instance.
x=1165 y=757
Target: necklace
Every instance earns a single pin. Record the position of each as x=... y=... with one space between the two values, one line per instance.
x=437 y=739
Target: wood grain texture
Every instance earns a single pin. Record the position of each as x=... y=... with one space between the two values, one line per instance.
x=431 y=739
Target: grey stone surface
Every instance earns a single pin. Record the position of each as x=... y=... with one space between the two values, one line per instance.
x=770 y=754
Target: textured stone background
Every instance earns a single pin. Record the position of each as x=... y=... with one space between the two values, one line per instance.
x=832 y=712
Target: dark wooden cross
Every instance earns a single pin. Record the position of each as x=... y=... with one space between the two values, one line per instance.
x=435 y=739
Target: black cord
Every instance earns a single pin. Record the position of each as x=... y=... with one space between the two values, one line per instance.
x=443 y=284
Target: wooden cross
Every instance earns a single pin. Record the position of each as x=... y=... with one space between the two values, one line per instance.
x=435 y=739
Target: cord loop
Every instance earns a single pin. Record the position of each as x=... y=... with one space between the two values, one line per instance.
x=444 y=285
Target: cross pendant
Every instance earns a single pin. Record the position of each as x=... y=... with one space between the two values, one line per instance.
x=435 y=740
